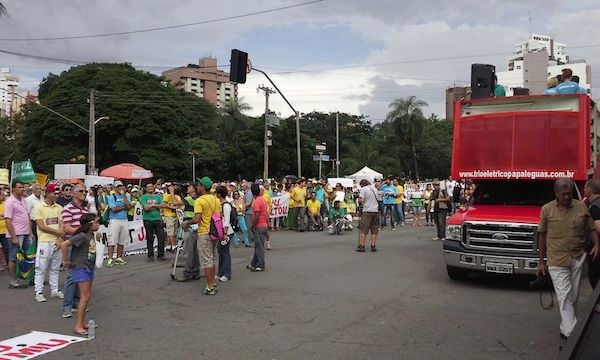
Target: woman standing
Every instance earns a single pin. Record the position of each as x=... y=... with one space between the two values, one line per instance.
x=427 y=204
x=240 y=206
x=224 y=273
x=416 y=203
x=82 y=261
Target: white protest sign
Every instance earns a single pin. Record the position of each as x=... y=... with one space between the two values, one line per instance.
x=34 y=344
x=92 y=180
x=280 y=206
x=69 y=171
x=137 y=236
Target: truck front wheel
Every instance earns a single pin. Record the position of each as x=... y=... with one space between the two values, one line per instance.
x=456 y=273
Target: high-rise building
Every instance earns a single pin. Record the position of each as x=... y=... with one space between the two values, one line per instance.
x=535 y=61
x=205 y=80
x=8 y=86
x=455 y=94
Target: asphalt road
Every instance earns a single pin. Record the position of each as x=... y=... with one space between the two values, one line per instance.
x=318 y=299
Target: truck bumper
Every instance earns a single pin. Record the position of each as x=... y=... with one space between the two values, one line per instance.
x=457 y=256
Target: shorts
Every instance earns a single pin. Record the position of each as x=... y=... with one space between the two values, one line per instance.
x=369 y=221
x=206 y=251
x=118 y=232
x=416 y=209
x=83 y=274
x=24 y=242
x=171 y=223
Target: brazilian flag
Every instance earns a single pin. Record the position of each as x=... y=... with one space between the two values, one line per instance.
x=26 y=262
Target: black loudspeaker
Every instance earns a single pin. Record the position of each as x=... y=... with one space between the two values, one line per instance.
x=483 y=81
x=238 y=67
x=520 y=91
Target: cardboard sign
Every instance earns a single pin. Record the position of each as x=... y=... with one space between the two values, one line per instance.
x=4 y=177
x=34 y=344
x=42 y=179
x=280 y=206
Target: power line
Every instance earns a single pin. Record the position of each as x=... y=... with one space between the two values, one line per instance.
x=164 y=27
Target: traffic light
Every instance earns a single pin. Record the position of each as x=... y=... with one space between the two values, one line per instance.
x=239 y=64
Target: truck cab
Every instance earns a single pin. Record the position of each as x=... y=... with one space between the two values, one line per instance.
x=513 y=149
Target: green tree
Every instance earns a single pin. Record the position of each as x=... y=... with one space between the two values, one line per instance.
x=409 y=122
x=149 y=122
x=233 y=118
x=10 y=134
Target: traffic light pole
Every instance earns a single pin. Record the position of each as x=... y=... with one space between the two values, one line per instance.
x=297 y=116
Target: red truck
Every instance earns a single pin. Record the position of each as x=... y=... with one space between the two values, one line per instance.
x=513 y=148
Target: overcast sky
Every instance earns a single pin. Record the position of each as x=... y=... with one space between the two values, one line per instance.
x=354 y=56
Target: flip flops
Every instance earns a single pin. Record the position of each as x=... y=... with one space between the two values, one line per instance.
x=80 y=332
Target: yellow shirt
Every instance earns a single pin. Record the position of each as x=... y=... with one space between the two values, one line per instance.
x=206 y=205
x=400 y=191
x=298 y=197
x=314 y=206
x=2 y=221
x=267 y=198
x=52 y=217
x=167 y=199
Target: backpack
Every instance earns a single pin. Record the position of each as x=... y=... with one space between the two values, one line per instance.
x=215 y=232
x=233 y=218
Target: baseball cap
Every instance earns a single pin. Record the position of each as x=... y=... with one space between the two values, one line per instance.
x=206 y=182
x=51 y=188
x=135 y=188
x=118 y=183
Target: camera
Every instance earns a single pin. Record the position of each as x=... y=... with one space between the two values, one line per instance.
x=542 y=282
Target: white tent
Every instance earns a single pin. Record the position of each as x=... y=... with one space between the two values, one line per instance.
x=366 y=173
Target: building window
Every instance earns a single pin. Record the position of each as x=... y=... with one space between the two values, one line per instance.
x=518 y=67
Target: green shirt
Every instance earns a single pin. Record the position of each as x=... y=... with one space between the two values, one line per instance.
x=336 y=214
x=151 y=199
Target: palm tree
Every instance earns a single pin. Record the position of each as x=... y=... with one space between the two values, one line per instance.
x=408 y=122
x=232 y=112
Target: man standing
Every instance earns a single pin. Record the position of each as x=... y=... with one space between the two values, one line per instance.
x=563 y=227
x=591 y=192
x=314 y=212
x=190 y=237
x=172 y=203
x=260 y=226
x=71 y=213
x=204 y=207
x=118 y=226
x=48 y=218
x=248 y=199
x=369 y=200
x=66 y=195
x=18 y=229
x=152 y=204
x=389 y=202
x=299 y=196
x=398 y=208
x=441 y=204
x=34 y=200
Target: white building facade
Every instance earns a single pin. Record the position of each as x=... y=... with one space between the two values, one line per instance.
x=8 y=85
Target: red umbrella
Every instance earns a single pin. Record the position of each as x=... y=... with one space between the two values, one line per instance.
x=127 y=171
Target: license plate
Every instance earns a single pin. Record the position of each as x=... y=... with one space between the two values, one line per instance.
x=499 y=268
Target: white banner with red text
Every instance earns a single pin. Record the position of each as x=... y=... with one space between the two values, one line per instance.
x=34 y=344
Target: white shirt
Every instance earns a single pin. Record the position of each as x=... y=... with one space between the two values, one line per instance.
x=32 y=202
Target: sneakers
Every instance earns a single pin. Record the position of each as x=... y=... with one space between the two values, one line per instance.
x=435 y=239
x=110 y=263
x=67 y=314
x=210 y=290
x=373 y=248
x=57 y=294
x=39 y=297
x=16 y=284
x=268 y=244
x=257 y=269
x=360 y=248
x=223 y=278
x=120 y=261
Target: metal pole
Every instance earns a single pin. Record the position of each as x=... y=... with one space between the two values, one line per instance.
x=320 y=164
x=193 y=167
x=337 y=144
x=268 y=92
x=298 y=144
x=92 y=136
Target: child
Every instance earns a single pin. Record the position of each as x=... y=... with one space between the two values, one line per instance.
x=82 y=261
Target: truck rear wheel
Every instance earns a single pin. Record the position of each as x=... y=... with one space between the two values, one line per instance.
x=456 y=273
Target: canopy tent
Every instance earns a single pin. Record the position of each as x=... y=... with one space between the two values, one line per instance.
x=127 y=171
x=366 y=173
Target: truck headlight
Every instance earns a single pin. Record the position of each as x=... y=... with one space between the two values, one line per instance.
x=454 y=232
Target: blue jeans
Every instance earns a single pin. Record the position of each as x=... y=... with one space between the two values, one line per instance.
x=389 y=208
x=398 y=213
x=224 y=260
x=258 y=260
x=244 y=229
x=71 y=291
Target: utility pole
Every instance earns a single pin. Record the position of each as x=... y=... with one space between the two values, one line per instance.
x=337 y=144
x=268 y=91
x=92 y=134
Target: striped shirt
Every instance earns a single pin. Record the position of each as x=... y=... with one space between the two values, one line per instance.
x=71 y=214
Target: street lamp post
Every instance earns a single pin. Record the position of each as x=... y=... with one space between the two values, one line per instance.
x=193 y=153
x=92 y=144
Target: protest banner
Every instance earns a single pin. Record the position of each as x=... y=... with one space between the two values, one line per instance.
x=34 y=344
x=69 y=171
x=137 y=234
x=92 y=180
x=41 y=179
x=280 y=206
x=4 y=177
x=23 y=171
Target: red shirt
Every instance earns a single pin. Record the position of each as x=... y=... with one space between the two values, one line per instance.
x=259 y=207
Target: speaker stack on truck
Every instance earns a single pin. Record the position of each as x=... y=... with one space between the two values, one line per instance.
x=483 y=81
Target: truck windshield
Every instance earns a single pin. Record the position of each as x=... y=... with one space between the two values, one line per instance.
x=534 y=192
